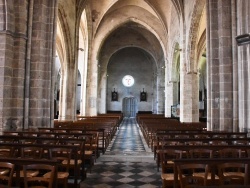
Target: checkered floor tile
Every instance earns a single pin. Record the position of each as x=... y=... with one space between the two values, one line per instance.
x=123 y=175
x=127 y=163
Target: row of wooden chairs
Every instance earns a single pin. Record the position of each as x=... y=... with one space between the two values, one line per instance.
x=221 y=177
x=69 y=157
x=200 y=174
x=31 y=175
x=57 y=138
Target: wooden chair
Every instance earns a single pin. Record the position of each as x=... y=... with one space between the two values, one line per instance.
x=204 y=153
x=167 y=165
x=233 y=173
x=63 y=156
x=30 y=153
x=187 y=174
x=90 y=152
x=93 y=145
x=160 y=150
x=40 y=181
x=80 y=154
x=6 y=174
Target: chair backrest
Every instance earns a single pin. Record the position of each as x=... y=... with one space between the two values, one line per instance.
x=32 y=152
x=201 y=153
x=192 y=174
x=6 y=171
x=63 y=156
x=6 y=151
x=167 y=158
x=40 y=179
x=233 y=173
x=230 y=153
x=81 y=145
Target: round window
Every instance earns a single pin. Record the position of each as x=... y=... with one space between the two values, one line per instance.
x=128 y=81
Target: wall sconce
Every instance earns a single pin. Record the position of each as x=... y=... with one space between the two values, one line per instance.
x=243 y=39
x=114 y=95
x=143 y=95
x=81 y=49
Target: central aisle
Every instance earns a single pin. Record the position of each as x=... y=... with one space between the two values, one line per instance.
x=128 y=138
x=128 y=162
x=128 y=144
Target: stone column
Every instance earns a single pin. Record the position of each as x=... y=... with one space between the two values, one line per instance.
x=235 y=68
x=243 y=27
x=91 y=109
x=213 y=66
x=12 y=65
x=169 y=98
x=189 y=92
x=27 y=35
x=161 y=94
x=209 y=106
x=67 y=103
x=220 y=65
x=42 y=56
x=225 y=67
x=102 y=92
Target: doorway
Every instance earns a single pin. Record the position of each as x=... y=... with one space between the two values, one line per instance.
x=129 y=106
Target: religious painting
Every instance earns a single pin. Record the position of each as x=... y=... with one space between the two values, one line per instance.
x=114 y=95
x=143 y=96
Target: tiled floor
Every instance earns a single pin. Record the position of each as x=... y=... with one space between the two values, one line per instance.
x=128 y=162
x=123 y=175
x=128 y=138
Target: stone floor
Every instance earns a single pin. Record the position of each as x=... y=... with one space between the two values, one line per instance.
x=128 y=162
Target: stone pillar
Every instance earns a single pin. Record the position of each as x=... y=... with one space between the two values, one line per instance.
x=161 y=94
x=42 y=58
x=225 y=67
x=67 y=103
x=155 y=93
x=91 y=109
x=209 y=106
x=220 y=65
x=102 y=92
x=11 y=88
x=243 y=27
x=235 y=69
x=189 y=88
x=213 y=66
x=27 y=34
x=169 y=98
x=189 y=92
